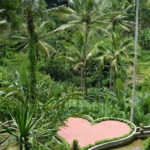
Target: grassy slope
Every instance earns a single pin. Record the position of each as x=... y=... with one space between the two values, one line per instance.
x=144 y=64
x=143 y=68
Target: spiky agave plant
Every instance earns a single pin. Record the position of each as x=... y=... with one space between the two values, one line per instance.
x=22 y=123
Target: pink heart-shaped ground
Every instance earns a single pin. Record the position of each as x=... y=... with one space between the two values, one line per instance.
x=81 y=130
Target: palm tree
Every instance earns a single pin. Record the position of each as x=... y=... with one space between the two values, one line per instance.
x=120 y=19
x=119 y=22
x=135 y=61
x=114 y=56
x=87 y=16
x=41 y=45
x=78 y=57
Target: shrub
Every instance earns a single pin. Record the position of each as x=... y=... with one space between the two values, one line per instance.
x=57 y=70
x=75 y=145
x=145 y=38
x=147 y=144
x=97 y=109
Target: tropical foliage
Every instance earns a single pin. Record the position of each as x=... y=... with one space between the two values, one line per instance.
x=61 y=58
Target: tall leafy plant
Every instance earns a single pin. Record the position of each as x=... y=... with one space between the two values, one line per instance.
x=78 y=56
x=22 y=123
x=41 y=45
x=114 y=56
x=87 y=16
x=33 y=38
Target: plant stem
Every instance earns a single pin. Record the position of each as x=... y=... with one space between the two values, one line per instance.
x=32 y=52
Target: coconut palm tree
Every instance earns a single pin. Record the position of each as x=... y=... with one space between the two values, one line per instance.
x=135 y=61
x=119 y=22
x=120 y=19
x=77 y=56
x=86 y=16
x=114 y=56
x=82 y=15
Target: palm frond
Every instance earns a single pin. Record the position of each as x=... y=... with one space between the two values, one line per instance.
x=3 y=22
x=78 y=65
x=63 y=27
x=46 y=48
x=67 y=58
x=124 y=27
x=103 y=4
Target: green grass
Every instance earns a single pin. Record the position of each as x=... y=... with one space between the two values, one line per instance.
x=143 y=67
x=144 y=64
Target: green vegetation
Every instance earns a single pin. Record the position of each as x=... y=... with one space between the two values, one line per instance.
x=61 y=58
x=147 y=144
x=75 y=145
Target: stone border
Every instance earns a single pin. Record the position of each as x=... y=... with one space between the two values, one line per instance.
x=106 y=143
x=116 y=143
x=142 y=133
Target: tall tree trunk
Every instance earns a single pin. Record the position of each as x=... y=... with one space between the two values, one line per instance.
x=100 y=78
x=84 y=58
x=26 y=143
x=113 y=36
x=20 y=143
x=84 y=81
x=32 y=52
x=4 y=50
x=135 y=62
x=112 y=71
x=110 y=79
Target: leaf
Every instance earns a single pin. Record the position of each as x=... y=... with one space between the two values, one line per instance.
x=63 y=27
x=78 y=65
x=124 y=27
x=67 y=58
x=3 y=22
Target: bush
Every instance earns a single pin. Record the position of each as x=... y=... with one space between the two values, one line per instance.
x=56 y=69
x=75 y=145
x=145 y=38
x=97 y=109
x=147 y=144
x=49 y=89
x=94 y=94
x=140 y=117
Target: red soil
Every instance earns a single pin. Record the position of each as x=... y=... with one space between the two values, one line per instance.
x=81 y=130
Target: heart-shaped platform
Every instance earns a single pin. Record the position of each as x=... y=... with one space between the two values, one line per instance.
x=85 y=133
